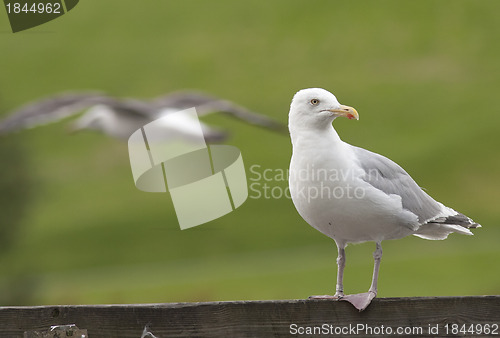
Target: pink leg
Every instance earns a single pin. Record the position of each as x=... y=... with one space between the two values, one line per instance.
x=339 y=289
x=362 y=300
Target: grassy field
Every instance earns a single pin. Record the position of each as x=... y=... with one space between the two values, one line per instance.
x=424 y=77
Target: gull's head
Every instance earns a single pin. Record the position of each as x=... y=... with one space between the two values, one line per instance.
x=316 y=107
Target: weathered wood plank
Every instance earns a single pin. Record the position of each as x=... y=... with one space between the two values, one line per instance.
x=260 y=318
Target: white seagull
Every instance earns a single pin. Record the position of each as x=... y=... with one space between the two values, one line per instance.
x=353 y=195
x=120 y=118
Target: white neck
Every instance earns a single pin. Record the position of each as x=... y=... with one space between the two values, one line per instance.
x=302 y=136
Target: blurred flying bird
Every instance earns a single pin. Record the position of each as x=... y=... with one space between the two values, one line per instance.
x=120 y=117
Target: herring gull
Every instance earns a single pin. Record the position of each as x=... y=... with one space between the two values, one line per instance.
x=353 y=195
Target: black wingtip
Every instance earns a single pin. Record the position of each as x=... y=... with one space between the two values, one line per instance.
x=458 y=219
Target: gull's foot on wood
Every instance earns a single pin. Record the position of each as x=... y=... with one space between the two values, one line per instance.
x=360 y=300
x=336 y=297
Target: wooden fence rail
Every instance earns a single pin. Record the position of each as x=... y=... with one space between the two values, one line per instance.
x=431 y=316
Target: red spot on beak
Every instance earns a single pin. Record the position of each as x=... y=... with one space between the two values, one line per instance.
x=350 y=116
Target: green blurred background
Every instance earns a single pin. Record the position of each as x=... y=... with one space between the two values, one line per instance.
x=424 y=77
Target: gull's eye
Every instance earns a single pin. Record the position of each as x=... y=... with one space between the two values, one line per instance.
x=314 y=102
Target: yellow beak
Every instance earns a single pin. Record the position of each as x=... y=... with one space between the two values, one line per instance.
x=346 y=111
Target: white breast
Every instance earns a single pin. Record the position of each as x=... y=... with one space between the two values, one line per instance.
x=328 y=192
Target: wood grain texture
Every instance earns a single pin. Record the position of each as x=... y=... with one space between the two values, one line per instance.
x=253 y=318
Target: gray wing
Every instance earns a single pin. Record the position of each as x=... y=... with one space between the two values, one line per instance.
x=57 y=107
x=387 y=176
x=207 y=104
x=182 y=100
